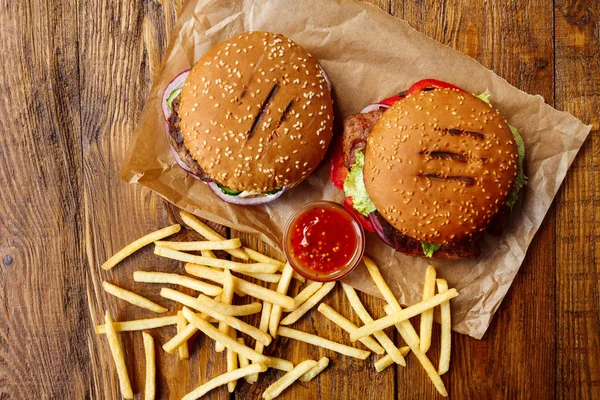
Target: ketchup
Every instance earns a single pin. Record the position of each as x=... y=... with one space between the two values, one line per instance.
x=323 y=241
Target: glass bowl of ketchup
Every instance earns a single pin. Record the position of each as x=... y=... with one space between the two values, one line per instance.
x=323 y=242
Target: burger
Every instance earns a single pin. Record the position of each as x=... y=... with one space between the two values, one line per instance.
x=252 y=118
x=430 y=170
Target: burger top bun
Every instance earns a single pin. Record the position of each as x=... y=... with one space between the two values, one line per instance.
x=439 y=165
x=256 y=112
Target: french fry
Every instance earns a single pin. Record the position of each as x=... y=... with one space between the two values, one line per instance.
x=386 y=292
x=280 y=364
x=223 y=379
x=132 y=298
x=286 y=381
x=261 y=258
x=227 y=244
x=150 y=384
x=298 y=277
x=209 y=234
x=227 y=341
x=349 y=327
x=140 y=324
x=446 y=338
x=422 y=357
x=365 y=317
x=282 y=287
x=427 y=316
x=208 y=253
x=175 y=279
x=264 y=327
x=117 y=353
x=214 y=262
x=232 y=364
x=183 y=350
x=403 y=315
x=316 y=370
x=205 y=308
x=304 y=295
x=243 y=361
x=138 y=244
x=249 y=288
x=182 y=337
x=386 y=361
x=322 y=342
x=207 y=302
x=308 y=304
x=271 y=278
x=226 y=298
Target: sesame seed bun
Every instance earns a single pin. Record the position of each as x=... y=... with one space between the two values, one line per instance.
x=439 y=165
x=256 y=112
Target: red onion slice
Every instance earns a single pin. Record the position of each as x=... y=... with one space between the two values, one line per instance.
x=326 y=77
x=176 y=83
x=373 y=107
x=243 y=201
x=379 y=229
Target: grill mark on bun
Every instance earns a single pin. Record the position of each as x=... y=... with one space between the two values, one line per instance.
x=461 y=132
x=262 y=112
x=445 y=155
x=285 y=113
x=450 y=155
x=467 y=180
x=245 y=87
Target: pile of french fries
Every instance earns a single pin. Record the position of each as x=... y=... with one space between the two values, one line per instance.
x=212 y=313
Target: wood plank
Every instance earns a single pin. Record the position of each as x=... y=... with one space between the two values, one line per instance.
x=578 y=210
x=515 y=40
x=43 y=328
x=121 y=48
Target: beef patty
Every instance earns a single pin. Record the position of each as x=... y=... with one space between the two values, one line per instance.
x=356 y=131
x=176 y=139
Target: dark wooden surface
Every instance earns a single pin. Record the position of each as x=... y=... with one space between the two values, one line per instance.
x=74 y=77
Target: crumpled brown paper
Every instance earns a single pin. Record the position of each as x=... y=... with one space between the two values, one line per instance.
x=369 y=55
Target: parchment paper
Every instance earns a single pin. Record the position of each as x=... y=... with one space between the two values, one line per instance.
x=369 y=55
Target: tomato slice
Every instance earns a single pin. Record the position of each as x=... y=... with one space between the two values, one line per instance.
x=419 y=87
x=338 y=171
x=364 y=221
x=424 y=84
x=391 y=100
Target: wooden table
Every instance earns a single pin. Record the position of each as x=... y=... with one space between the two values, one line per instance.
x=74 y=78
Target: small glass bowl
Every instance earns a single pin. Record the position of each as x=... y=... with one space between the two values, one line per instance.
x=338 y=273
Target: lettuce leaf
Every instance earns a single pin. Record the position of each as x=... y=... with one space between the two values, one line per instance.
x=430 y=248
x=485 y=97
x=521 y=179
x=354 y=186
x=172 y=97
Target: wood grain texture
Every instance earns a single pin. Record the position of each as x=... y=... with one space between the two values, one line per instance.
x=75 y=76
x=578 y=205
x=43 y=325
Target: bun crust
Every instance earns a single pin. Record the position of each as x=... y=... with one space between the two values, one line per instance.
x=439 y=165
x=256 y=112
